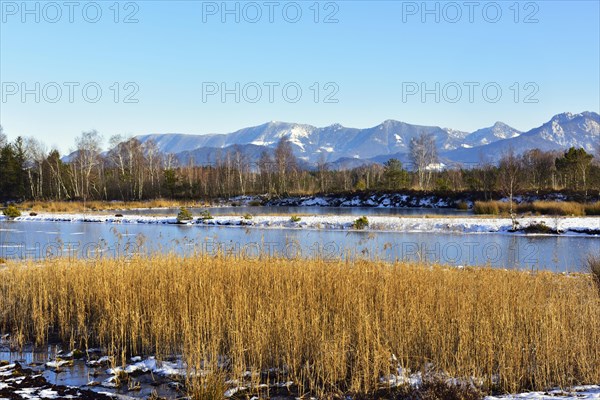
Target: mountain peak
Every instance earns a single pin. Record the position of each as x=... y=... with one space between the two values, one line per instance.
x=567 y=116
x=390 y=137
x=484 y=136
x=563 y=117
x=389 y=122
x=277 y=123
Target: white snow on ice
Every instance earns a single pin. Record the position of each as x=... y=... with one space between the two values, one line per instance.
x=565 y=225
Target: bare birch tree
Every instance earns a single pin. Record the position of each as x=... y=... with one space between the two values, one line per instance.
x=423 y=154
x=509 y=179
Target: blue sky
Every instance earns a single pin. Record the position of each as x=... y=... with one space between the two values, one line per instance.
x=368 y=61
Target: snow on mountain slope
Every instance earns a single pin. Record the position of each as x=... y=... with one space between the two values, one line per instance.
x=390 y=138
x=565 y=130
x=560 y=133
x=332 y=142
x=489 y=135
x=177 y=142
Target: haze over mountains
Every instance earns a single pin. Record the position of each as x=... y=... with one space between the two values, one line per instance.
x=344 y=147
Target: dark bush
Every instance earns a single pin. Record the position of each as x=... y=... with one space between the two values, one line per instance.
x=540 y=227
x=360 y=223
x=204 y=215
x=184 y=215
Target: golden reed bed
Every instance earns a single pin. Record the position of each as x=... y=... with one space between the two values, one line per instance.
x=334 y=326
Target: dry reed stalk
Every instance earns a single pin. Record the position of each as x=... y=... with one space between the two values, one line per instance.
x=330 y=327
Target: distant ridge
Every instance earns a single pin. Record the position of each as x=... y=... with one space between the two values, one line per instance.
x=345 y=147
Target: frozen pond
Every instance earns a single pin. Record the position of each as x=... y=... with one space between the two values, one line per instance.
x=33 y=239
x=79 y=374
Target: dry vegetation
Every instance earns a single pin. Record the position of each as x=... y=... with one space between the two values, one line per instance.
x=331 y=326
x=80 y=206
x=538 y=207
x=593 y=265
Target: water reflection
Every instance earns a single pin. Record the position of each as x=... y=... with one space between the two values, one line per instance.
x=92 y=241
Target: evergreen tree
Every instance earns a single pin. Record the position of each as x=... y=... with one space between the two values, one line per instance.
x=395 y=176
x=13 y=176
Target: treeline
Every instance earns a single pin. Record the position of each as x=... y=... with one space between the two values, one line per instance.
x=131 y=170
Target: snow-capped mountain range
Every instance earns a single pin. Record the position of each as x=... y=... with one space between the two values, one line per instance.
x=345 y=147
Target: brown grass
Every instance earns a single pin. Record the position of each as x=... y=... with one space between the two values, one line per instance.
x=593 y=265
x=592 y=208
x=566 y=208
x=333 y=326
x=554 y=208
x=492 y=207
x=80 y=206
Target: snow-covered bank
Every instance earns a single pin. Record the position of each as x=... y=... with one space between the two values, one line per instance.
x=409 y=199
x=591 y=392
x=373 y=200
x=471 y=224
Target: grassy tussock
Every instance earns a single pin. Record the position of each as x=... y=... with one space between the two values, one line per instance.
x=592 y=208
x=80 y=206
x=333 y=326
x=537 y=207
x=487 y=207
x=554 y=208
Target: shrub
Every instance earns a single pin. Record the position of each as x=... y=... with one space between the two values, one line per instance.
x=247 y=216
x=295 y=218
x=204 y=215
x=11 y=211
x=540 y=227
x=184 y=215
x=2 y=261
x=593 y=266
x=360 y=223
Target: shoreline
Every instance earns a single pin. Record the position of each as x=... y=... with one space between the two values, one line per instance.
x=557 y=226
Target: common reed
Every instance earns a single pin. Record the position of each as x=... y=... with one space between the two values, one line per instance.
x=569 y=208
x=593 y=266
x=330 y=327
x=554 y=208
